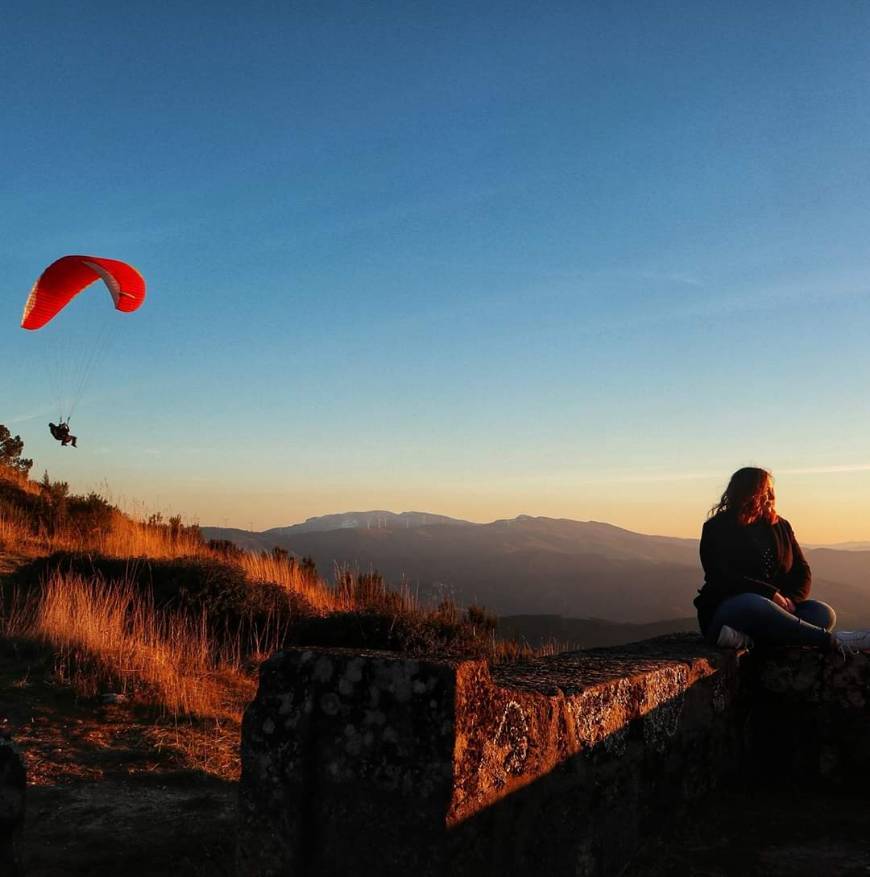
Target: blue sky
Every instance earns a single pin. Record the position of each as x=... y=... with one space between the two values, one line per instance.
x=481 y=259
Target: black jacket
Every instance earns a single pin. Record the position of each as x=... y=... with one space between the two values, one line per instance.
x=733 y=563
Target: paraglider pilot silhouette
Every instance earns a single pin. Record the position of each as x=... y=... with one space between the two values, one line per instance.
x=60 y=431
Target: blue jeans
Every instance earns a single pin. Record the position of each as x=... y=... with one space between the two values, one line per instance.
x=768 y=623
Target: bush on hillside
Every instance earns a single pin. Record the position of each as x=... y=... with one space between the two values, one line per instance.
x=225 y=548
x=40 y=507
x=91 y=516
x=174 y=530
x=52 y=507
x=416 y=633
x=14 y=498
x=368 y=591
x=305 y=566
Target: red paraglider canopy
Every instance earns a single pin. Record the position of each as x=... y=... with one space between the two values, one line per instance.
x=69 y=275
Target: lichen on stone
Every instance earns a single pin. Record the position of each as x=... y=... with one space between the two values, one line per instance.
x=663 y=705
x=513 y=735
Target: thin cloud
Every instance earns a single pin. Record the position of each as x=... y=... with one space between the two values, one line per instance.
x=832 y=469
x=827 y=470
x=32 y=415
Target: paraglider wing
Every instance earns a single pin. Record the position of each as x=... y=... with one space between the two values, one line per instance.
x=69 y=275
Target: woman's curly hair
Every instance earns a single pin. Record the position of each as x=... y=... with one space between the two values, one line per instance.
x=749 y=496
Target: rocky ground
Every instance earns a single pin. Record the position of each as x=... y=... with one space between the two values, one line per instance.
x=111 y=792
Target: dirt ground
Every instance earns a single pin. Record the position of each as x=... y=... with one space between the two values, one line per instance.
x=110 y=796
x=789 y=831
x=108 y=792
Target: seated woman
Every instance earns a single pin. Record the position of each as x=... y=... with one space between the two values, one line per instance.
x=757 y=581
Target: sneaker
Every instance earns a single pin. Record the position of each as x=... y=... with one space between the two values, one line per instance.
x=852 y=641
x=735 y=639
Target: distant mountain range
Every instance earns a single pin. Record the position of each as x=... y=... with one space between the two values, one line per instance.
x=845 y=546
x=576 y=570
x=375 y=520
x=585 y=633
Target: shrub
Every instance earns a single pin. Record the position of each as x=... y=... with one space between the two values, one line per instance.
x=225 y=548
x=478 y=617
x=52 y=507
x=91 y=516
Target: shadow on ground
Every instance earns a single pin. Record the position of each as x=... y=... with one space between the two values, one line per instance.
x=105 y=796
x=769 y=832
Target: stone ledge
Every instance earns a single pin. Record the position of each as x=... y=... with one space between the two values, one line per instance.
x=520 y=722
x=372 y=763
x=811 y=715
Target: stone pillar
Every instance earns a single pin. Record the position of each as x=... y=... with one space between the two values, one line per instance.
x=347 y=763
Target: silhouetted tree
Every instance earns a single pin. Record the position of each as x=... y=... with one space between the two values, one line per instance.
x=11 y=447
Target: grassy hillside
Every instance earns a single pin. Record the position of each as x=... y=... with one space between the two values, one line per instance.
x=128 y=651
x=153 y=611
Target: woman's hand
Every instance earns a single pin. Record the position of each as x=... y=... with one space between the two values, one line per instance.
x=786 y=602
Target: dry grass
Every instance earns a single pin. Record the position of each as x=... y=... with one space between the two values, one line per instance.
x=14 y=529
x=212 y=748
x=269 y=568
x=107 y=637
x=19 y=480
x=129 y=538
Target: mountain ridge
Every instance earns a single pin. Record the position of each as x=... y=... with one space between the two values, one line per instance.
x=380 y=518
x=548 y=566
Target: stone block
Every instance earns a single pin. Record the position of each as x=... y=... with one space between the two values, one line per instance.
x=374 y=763
x=810 y=715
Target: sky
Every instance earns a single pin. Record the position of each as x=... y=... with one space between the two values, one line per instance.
x=481 y=259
